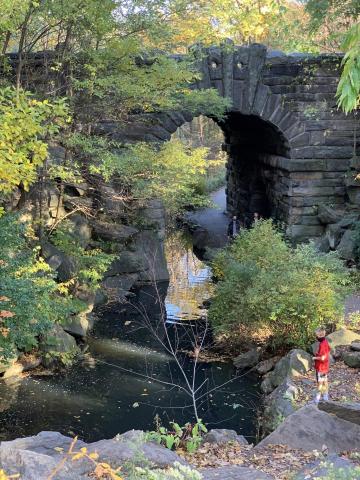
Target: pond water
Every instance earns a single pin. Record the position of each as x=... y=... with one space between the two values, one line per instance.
x=119 y=385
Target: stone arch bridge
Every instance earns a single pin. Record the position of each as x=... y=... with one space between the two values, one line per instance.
x=290 y=150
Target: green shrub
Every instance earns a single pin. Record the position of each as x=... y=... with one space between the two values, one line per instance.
x=266 y=284
x=187 y=437
x=177 y=472
x=334 y=473
x=30 y=301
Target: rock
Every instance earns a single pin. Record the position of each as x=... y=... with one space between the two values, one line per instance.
x=327 y=214
x=57 y=340
x=279 y=405
x=266 y=365
x=113 y=231
x=79 y=325
x=29 y=362
x=310 y=428
x=154 y=215
x=323 y=244
x=128 y=262
x=234 y=472
x=352 y=359
x=320 y=469
x=80 y=229
x=267 y=385
x=333 y=234
x=119 y=285
x=132 y=447
x=355 y=346
x=248 y=359
x=220 y=435
x=152 y=249
x=100 y=297
x=346 y=246
x=15 y=369
x=344 y=336
x=348 y=221
x=346 y=411
x=297 y=362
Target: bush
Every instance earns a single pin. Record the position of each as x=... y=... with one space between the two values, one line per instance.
x=266 y=284
x=30 y=302
x=177 y=472
x=334 y=473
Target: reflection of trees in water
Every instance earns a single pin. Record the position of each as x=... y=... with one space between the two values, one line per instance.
x=190 y=281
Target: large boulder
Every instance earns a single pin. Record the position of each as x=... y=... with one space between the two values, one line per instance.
x=297 y=362
x=327 y=214
x=346 y=246
x=333 y=467
x=267 y=365
x=153 y=253
x=352 y=359
x=248 y=359
x=58 y=345
x=279 y=405
x=113 y=231
x=346 y=411
x=344 y=336
x=310 y=429
x=127 y=262
x=222 y=435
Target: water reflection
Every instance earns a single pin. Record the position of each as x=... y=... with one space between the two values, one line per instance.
x=189 y=279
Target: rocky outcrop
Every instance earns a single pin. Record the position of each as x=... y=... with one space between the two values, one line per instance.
x=310 y=429
x=58 y=346
x=248 y=359
x=346 y=411
x=219 y=435
x=233 y=472
x=333 y=466
x=352 y=359
x=344 y=336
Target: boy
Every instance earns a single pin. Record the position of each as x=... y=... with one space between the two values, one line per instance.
x=322 y=363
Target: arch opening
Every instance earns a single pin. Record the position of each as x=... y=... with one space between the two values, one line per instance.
x=255 y=183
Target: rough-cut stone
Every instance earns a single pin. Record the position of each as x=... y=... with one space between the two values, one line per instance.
x=15 y=369
x=310 y=429
x=327 y=214
x=128 y=262
x=332 y=465
x=344 y=336
x=57 y=340
x=279 y=405
x=220 y=435
x=267 y=365
x=355 y=346
x=352 y=359
x=346 y=411
x=234 y=472
x=113 y=232
x=248 y=359
x=296 y=363
x=346 y=246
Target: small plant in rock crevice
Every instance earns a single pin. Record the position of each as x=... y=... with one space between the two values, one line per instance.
x=187 y=437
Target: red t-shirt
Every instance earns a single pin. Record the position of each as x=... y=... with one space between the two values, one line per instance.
x=322 y=366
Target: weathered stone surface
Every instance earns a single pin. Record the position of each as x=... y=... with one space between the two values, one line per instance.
x=267 y=365
x=248 y=359
x=333 y=234
x=352 y=359
x=234 y=472
x=332 y=465
x=128 y=262
x=155 y=263
x=13 y=370
x=80 y=325
x=355 y=346
x=220 y=435
x=310 y=428
x=346 y=246
x=344 y=336
x=57 y=340
x=112 y=231
x=346 y=411
x=279 y=405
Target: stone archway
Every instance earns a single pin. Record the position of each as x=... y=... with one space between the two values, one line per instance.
x=284 y=133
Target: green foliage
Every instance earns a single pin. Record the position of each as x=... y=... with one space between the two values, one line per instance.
x=348 y=91
x=334 y=473
x=29 y=292
x=90 y=264
x=25 y=125
x=188 y=437
x=266 y=284
x=177 y=472
x=171 y=171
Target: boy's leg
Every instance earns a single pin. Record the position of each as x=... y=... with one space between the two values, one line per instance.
x=318 y=386
x=325 y=388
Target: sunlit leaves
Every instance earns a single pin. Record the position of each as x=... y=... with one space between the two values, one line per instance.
x=348 y=91
x=25 y=125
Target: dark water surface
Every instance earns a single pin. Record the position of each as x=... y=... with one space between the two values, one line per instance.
x=98 y=400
